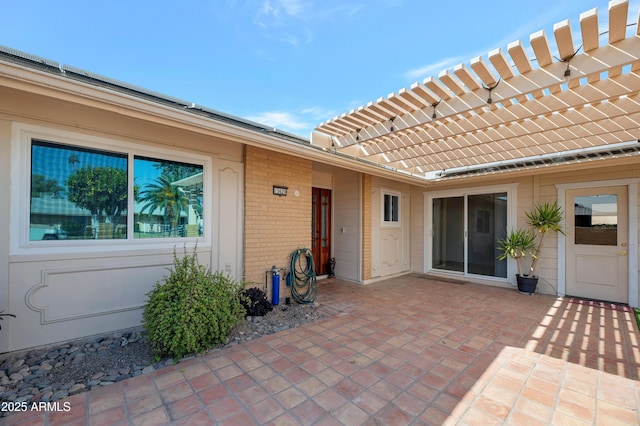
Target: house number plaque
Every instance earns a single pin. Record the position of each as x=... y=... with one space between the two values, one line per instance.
x=280 y=191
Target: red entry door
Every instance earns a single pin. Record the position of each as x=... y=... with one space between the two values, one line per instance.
x=321 y=229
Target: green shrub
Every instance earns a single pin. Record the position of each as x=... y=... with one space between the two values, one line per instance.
x=192 y=310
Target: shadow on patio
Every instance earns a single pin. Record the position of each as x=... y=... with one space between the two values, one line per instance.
x=488 y=355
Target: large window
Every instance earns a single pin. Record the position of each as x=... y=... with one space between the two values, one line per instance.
x=465 y=229
x=85 y=193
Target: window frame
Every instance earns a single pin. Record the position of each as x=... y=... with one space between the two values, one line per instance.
x=391 y=223
x=512 y=211
x=22 y=137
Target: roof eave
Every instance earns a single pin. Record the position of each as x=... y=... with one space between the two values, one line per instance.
x=46 y=83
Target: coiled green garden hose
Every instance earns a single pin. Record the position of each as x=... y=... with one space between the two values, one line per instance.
x=304 y=287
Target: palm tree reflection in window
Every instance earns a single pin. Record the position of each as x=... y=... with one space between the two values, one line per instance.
x=168 y=198
x=163 y=197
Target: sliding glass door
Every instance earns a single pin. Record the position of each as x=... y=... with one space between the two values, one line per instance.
x=448 y=234
x=465 y=231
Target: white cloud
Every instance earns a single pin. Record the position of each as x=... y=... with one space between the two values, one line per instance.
x=291 y=7
x=291 y=21
x=432 y=70
x=261 y=53
x=280 y=120
x=300 y=122
x=317 y=113
x=278 y=10
x=291 y=39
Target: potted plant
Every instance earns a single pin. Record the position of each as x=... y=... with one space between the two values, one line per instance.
x=522 y=243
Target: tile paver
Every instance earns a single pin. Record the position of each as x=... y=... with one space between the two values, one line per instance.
x=408 y=350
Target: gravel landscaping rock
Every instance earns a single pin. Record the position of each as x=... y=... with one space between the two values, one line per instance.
x=58 y=371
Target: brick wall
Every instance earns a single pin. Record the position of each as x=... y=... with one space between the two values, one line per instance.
x=274 y=226
x=366 y=227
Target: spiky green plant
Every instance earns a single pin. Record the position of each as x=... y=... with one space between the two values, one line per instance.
x=518 y=244
x=544 y=218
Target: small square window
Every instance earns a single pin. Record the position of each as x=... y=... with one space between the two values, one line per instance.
x=391 y=208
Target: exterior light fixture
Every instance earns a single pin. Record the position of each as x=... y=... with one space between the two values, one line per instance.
x=567 y=72
x=490 y=88
x=434 y=105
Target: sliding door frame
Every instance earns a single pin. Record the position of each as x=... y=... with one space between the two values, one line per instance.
x=511 y=191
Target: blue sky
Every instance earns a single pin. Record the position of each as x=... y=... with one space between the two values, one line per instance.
x=290 y=64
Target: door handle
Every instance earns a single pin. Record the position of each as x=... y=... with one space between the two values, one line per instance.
x=622 y=253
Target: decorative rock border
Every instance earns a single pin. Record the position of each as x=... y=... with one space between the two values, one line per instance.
x=55 y=372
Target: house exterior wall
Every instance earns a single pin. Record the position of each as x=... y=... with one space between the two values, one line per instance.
x=5 y=193
x=275 y=226
x=366 y=227
x=417 y=229
x=346 y=219
x=321 y=179
x=69 y=292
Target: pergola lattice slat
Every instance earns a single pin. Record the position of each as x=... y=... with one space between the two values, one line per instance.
x=569 y=97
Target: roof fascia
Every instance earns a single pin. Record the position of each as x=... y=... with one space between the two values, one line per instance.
x=78 y=92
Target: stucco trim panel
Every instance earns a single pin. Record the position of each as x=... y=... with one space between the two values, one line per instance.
x=50 y=298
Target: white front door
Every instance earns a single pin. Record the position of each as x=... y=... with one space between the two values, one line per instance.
x=597 y=243
x=390 y=232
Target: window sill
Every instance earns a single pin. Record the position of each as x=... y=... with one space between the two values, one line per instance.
x=119 y=250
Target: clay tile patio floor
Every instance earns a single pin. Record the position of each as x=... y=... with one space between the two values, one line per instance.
x=408 y=350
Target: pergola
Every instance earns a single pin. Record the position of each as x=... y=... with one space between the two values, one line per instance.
x=580 y=97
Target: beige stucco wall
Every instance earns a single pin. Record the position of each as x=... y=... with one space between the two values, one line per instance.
x=59 y=296
x=275 y=226
x=417 y=229
x=346 y=224
x=5 y=132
